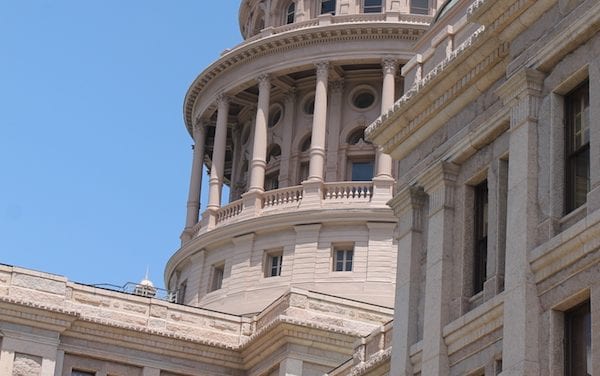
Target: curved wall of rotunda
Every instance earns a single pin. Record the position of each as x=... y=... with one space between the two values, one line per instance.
x=280 y=119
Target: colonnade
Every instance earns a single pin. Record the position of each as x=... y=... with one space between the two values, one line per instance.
x=258 y=164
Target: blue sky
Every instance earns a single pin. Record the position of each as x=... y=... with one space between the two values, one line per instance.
x=94 y=156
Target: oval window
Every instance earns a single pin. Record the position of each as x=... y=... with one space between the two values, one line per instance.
x=363 y=99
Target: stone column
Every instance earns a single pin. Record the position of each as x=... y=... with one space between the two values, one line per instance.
x=408 y=207
x=317 y=146
x=521 y=93
x=290 y=367
x=289 y=111
x=333 y=126
x=193 y=204
x=7 y=358
x=438 y=182
x=383 y=181
x=259 y=151
x=218 y=159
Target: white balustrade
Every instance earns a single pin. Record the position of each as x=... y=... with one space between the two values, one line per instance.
x=351 y=191
x=227 y=213
x=284 y=197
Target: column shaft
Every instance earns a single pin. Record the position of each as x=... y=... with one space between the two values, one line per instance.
x=193 y=204
x=259 y=151
x=521 y=305
x=439 y=185
x=317 y=146
x=390 y=66
x=335 y=121
x=408 y=207
x=218 y=157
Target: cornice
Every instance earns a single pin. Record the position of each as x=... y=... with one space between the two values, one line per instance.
x=288 y=218
x=293 y=39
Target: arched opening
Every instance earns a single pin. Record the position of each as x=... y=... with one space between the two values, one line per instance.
x=290 y=14
x=360 y=157
x=272 y=172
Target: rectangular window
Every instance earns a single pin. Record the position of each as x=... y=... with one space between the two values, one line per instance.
x=578 y=341
x=82 y=373
x=274 y=260
x=481 y=236
x=419 y=6
x=362 y=170
x=372 y=6
x=181 y=292
x=342 y=260
x=328 y=6
x=272 y=181
x=217 y=277
x=303 y=171
x=577 y=165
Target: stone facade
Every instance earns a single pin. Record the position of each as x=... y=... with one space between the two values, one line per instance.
x=489 y=262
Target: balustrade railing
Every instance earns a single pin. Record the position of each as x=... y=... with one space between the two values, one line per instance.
x=284 y=197
x=353 y=191
x=227 y=213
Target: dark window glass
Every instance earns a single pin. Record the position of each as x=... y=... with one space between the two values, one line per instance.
x=364 y=99
x=275 y=262
x=356 y=137
x=306 y=144
x=481 y=235
x=309 y=106
x=274 y=153
x=372 y=6
x=327 y=6
x=274 y=117
x=272 y=181
x=82 y=373
x=362 y=171
x=578 y=341
x=291 y=13
x=577 y=166
x=343 y=260
x=419 y=6
x=303 y=172
x=217 y=281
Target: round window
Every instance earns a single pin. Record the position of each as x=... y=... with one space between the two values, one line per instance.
x=274 y=117
x=363 y=99
x=309 y=106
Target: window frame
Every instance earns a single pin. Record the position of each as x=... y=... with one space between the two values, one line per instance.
x=343 y=254
x=573 y=153
x=580 y=311
x=291 y=5
x=481 y=223
x=332 y=12
x=217 y=276
x=365 y=7
x=269 y=268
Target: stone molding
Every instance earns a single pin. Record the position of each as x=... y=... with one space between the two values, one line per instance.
x=293 y=40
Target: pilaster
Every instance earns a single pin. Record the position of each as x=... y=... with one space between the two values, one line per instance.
x=593 y=197
x=290 y=367
x=439 y=184
x=522 y=93
x=195 y=279
x=336 y=89
x=240 y=263
x=408 y=207
x=288 y=133
x=305 y=252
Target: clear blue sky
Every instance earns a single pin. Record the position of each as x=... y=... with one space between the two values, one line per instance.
x=94 y=155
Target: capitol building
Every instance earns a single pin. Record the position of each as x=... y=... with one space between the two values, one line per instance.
x=413 y=190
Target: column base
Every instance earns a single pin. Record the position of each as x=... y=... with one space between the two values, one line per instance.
x=312 y=195
x=383 y=190
x=252 y=202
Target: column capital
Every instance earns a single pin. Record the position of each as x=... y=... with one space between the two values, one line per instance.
x=337 y=86
x=223 y=99
x=198 y=128
x=389 y=65
x=290 y=95
x=522 y=92
x=438 y=183
x=322 y=69
x=409 y=197
x=263 y=79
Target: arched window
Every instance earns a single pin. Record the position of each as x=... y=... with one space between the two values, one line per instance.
x=419 y=6
x=328 y=6
x=274 y=153
x=290 y=14
x=356 y=137
x=360 y=156
x=372 y=6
